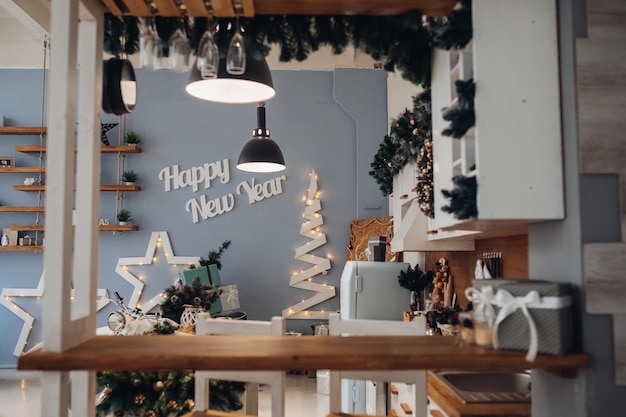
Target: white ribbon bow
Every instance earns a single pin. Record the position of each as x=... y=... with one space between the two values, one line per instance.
x=231 y=294
x=482 y=301
x=508 y=305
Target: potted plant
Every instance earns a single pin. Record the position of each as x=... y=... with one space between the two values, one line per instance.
x=132 y=138
x=124 y=217
x=129 y=177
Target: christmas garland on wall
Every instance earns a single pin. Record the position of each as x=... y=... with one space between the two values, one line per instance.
x=461 y=115
x=462 y=198
x=454 y=31
x=408 y=134
x=401 y=42
x=425 y=196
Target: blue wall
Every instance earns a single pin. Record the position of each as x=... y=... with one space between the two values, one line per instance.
x=330 y=122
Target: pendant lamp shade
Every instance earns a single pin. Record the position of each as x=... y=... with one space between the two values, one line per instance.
x=253 y=86
x=119 y=87
x=261 y=153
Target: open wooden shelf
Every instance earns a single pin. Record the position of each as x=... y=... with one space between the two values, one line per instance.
x=286 y=353
x=113 y=187
x=103 y=149
x=21 y=248
x=23 y=209
x=107 y=228
x=22 y=130
x=18 y=170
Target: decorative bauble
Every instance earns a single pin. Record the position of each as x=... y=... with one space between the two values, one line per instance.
x=172 y=405
x=150 y=413
x=158 y=386
x=188 y=404
x=136 y=382
x=188 y=318
x=140 y=399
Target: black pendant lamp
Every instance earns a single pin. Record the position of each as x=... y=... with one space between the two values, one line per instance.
x=261 y=153
x=119 y=87
x=253 y=86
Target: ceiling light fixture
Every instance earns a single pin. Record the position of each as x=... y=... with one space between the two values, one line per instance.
x=253 y=86
x=261 y=153
x=119 y=89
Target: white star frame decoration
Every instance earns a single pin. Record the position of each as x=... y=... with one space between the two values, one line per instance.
x=157 y=239
x=6 y=299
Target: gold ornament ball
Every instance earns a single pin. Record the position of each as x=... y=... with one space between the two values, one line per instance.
x=189 y=404
x=158 y=386
x=172 y=405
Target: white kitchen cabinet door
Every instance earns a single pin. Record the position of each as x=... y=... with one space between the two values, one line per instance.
x=514 y=150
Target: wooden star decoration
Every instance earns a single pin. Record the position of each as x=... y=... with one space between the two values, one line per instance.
x=158 y=241
x=104 y=128
x=8 y=299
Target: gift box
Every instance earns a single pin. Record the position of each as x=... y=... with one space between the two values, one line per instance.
x=229 y=297
x=549 y=308
x=210 y=276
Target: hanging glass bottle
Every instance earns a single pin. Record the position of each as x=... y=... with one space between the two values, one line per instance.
x=179 y=51
x=236 y=55
x=208 y=55
x=146 y=47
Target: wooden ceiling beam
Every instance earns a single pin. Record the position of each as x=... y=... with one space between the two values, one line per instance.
x=224 y=8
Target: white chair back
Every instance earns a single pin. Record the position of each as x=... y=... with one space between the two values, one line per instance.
x=362 y=327
x=275 y=379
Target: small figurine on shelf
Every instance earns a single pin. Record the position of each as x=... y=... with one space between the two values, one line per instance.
x=5 y=240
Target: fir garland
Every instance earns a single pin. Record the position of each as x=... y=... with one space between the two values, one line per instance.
x=196 y=294
x=461 y=115
x=452 y=31
x=409 y=132
x=160 y=394
x=425 y=196
x=384 y=166
x=400 y=42
x=462 y=198
x=215 y=256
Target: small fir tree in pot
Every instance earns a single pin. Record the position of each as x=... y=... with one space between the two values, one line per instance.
x=132 y=138
x=124 y=216
x=129 y=177
x=416 y=281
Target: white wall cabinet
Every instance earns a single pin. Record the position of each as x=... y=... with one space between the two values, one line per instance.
x=514 y=150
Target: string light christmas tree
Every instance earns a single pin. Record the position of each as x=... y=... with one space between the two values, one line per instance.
x=304 y=279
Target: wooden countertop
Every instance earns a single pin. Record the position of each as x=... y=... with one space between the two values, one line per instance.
x=455 y=407
x=288 y=353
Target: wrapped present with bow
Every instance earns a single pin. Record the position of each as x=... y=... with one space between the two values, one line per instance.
x=229 y=297
x=529 y=315
x=210 y=276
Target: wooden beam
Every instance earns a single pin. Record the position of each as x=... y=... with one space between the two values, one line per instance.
x=224 y=8
x=167 y=8
x=195 y=8
x=30 y=13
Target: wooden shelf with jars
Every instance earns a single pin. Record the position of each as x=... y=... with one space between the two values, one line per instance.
x=41 y=149
x=103 y=149
x=103 y=228
x=104 y=187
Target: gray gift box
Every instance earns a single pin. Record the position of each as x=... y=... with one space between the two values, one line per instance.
x=555 y=332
